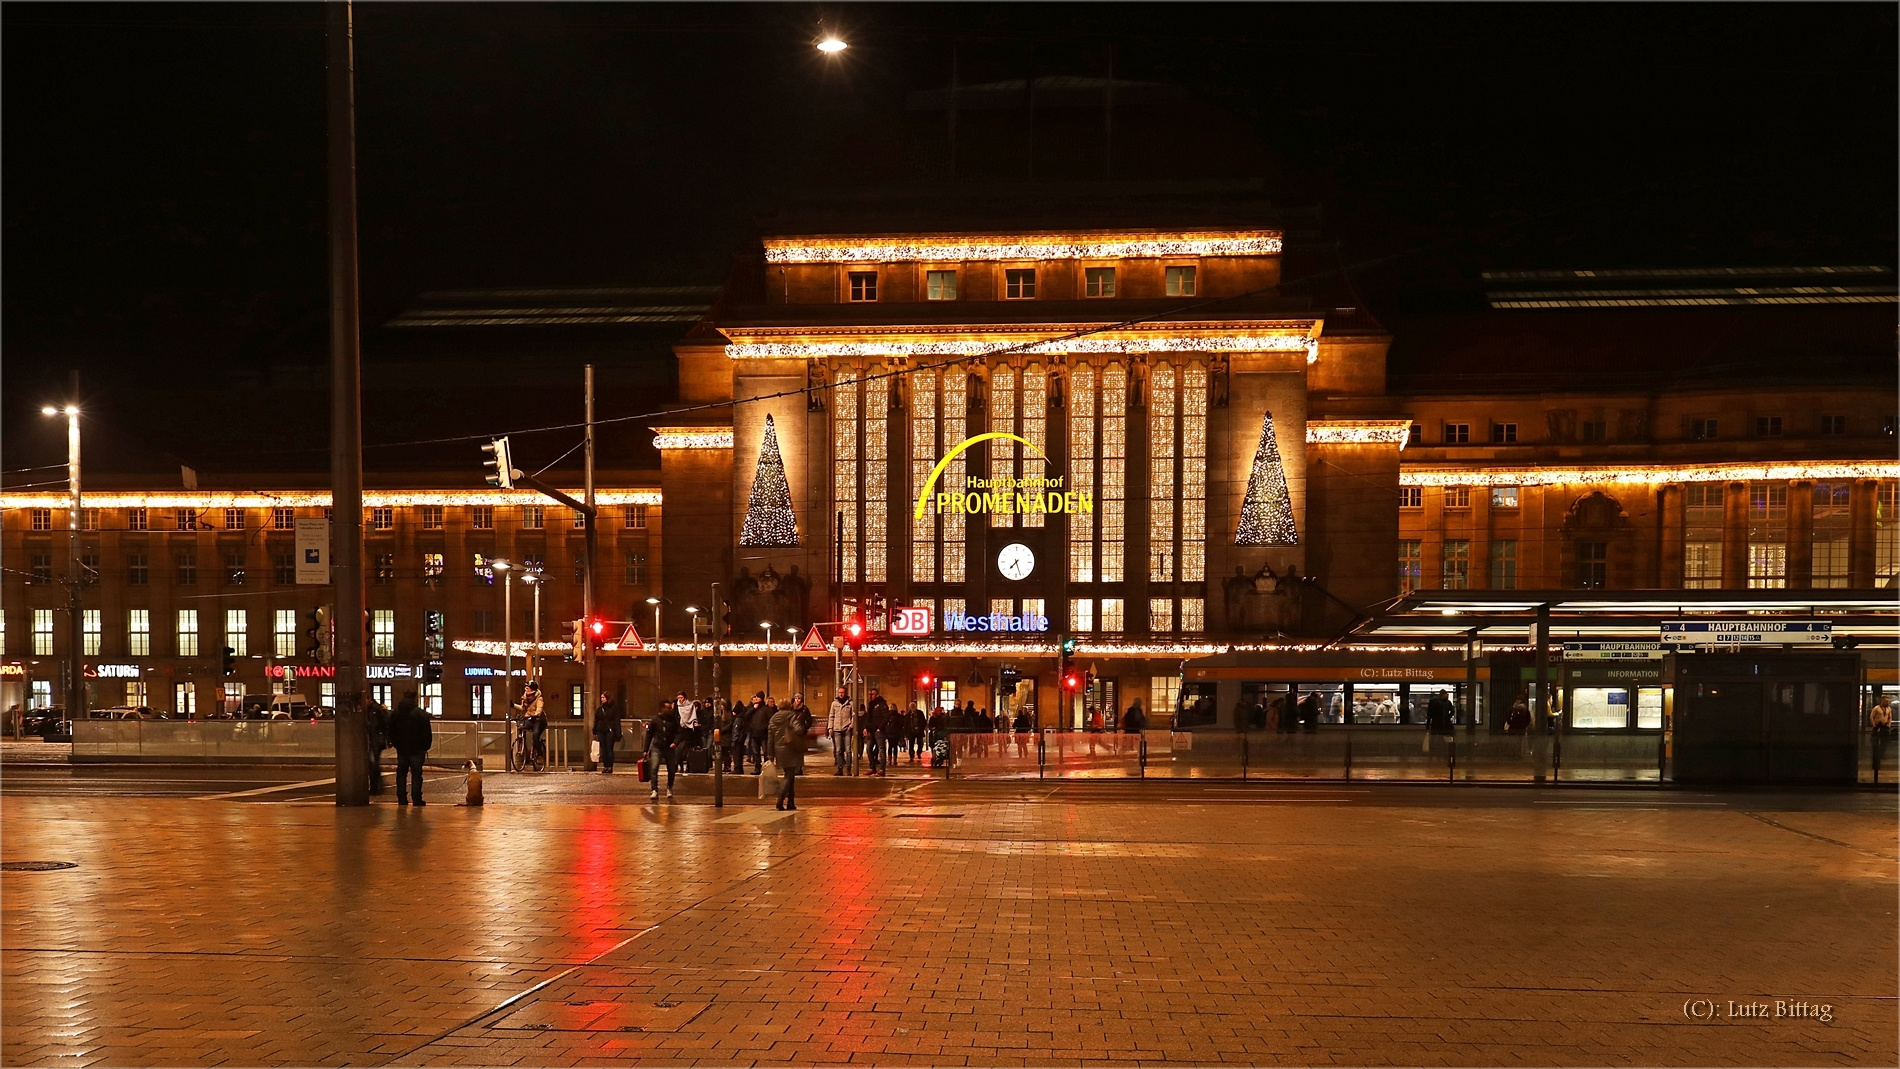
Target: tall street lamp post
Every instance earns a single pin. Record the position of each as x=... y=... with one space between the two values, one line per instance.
x=531 y=575
x=507 y=634
x=75 y=577
x=658 y=691
x=692 y=621
x=767 y=628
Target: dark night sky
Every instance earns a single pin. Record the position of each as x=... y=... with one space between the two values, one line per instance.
x=164 y=164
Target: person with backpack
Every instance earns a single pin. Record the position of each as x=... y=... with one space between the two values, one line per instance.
x=789 y=731
x=606 y=733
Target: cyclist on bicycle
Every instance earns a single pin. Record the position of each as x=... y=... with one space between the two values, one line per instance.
x=534 y=728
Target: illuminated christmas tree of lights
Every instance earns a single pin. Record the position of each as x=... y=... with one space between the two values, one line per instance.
x=1266 y=514
x=769 y=522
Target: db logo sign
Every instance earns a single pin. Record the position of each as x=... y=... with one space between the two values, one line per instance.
x=910 y=621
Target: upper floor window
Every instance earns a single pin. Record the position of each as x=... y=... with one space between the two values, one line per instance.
x=1596 y=430
x=234 y=519
x=283 y=519
x=187 y=520
x=940 y=285
x=382 y=519
x=1504 y=497
x=863 y=285
x=432 y=516
x=1504 y=433
x=1181 y=281
x=1019 y=284
x=89 y=519
x=533 y=517
x=1702 y=428
x=482 y=517
x=283 y=569
x=1415 y=435
x=1457 y=497
x=1098 y=281
x=1593 y=565
x=1457 y=433
x=1833 y=425
x=1767 y=426
x=137 y=519
x=635 y=516
x=42 y=519
x=1411 y=497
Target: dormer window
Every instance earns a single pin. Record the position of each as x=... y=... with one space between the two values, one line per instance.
x=1098 y=281
x=1181 y=282
x=863 y=285
x=1019 y=284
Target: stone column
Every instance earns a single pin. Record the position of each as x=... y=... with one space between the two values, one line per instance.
x=1670 y=522
x=1801 y=534
x=1861 y=509
x=1735 y=536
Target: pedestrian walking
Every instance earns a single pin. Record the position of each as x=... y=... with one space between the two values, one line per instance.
x=758 y=732
x=606 y=733
x=378 y=742
x=838 y=726
x=1880 y=720
x=690 y=726
x=878 y=715
x=1135 y=721
x=915 y=731
x=662 y=747
x=722 y=724
x=410 y=732
x=789 y=731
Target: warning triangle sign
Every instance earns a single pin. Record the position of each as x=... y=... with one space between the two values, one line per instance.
x=632 y=640
x=814 y=642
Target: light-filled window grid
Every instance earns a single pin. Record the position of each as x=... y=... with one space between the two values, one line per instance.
x=237 y=631
x=283 y=633
x=138 y=632
x=187 y=632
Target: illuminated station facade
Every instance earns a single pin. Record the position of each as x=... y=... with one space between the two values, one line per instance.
x=1190 y=451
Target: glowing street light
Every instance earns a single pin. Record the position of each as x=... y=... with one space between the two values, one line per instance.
x=831 y=46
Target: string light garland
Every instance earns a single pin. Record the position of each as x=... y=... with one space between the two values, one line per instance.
x=1160 y=343
x=1358 y=432
x=1656 y=473
x=1028 y=648
x=258 y=499
x=692 y=437
x=1266 y=514
x=769 y=521
x=1049 y=247
x=487 y=648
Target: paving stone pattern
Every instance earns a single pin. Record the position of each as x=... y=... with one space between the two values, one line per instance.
x=981 y=933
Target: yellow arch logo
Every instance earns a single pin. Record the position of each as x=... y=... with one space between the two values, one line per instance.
x=923 y=498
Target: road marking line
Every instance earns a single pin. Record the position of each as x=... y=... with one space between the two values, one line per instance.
x=264 y=790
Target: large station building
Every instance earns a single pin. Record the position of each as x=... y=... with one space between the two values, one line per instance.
x=1171 y=440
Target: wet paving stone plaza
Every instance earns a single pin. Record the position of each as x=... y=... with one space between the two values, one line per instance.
x=570 y=922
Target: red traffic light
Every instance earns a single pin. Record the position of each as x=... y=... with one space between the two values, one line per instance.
x=925 y=680
x=597 y=628
x=1072 y=682
x=854 y=632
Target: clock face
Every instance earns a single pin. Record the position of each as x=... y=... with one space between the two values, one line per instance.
x=1015 y=561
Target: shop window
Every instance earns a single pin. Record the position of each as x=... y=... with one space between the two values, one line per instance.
x=283 y=519
x=1098 y=281
x=185 y=700
x=138 y=632
x=187 y=632
x=1599 y=708
x=42 y=694
x=1593 y=565
x=940 y=285
x=1504 y=497
x=481 y=701
x=432 y=698
x=1832 y=425
x=1181 y=281
x=863 y=285
x=1411 y=497
x=1019 y=284
x=1767 y=426
x=237 y=631
x=1457 y=565
x=1504 y=564
x=283 y=633
x=1410 y=556
x=1457 y=433
x=1504 y=433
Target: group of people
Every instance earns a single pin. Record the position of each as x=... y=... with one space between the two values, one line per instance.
x=409 y=730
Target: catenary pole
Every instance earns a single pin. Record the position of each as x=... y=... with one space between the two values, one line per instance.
x=592 y=542
x=346 y=415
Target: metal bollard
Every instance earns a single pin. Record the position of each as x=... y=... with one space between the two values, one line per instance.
x=1141 y=742
x=719 y=770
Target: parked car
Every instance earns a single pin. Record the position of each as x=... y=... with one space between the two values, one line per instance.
x=49 y=723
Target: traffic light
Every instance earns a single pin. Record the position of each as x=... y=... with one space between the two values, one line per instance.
x=725 y=617
x=580 y=642
x=925 y=680
x=320 y=648
x=855 y=632
x=227 y=659
x=500 y=464
x=1072 y=680
x=596 y=632
x=432 y=635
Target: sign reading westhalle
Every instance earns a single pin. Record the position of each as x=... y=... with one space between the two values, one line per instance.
x=1748 y=632
x=313 y=552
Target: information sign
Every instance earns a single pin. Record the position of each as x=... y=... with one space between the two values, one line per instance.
x=1747 y=632
x=313 y=551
